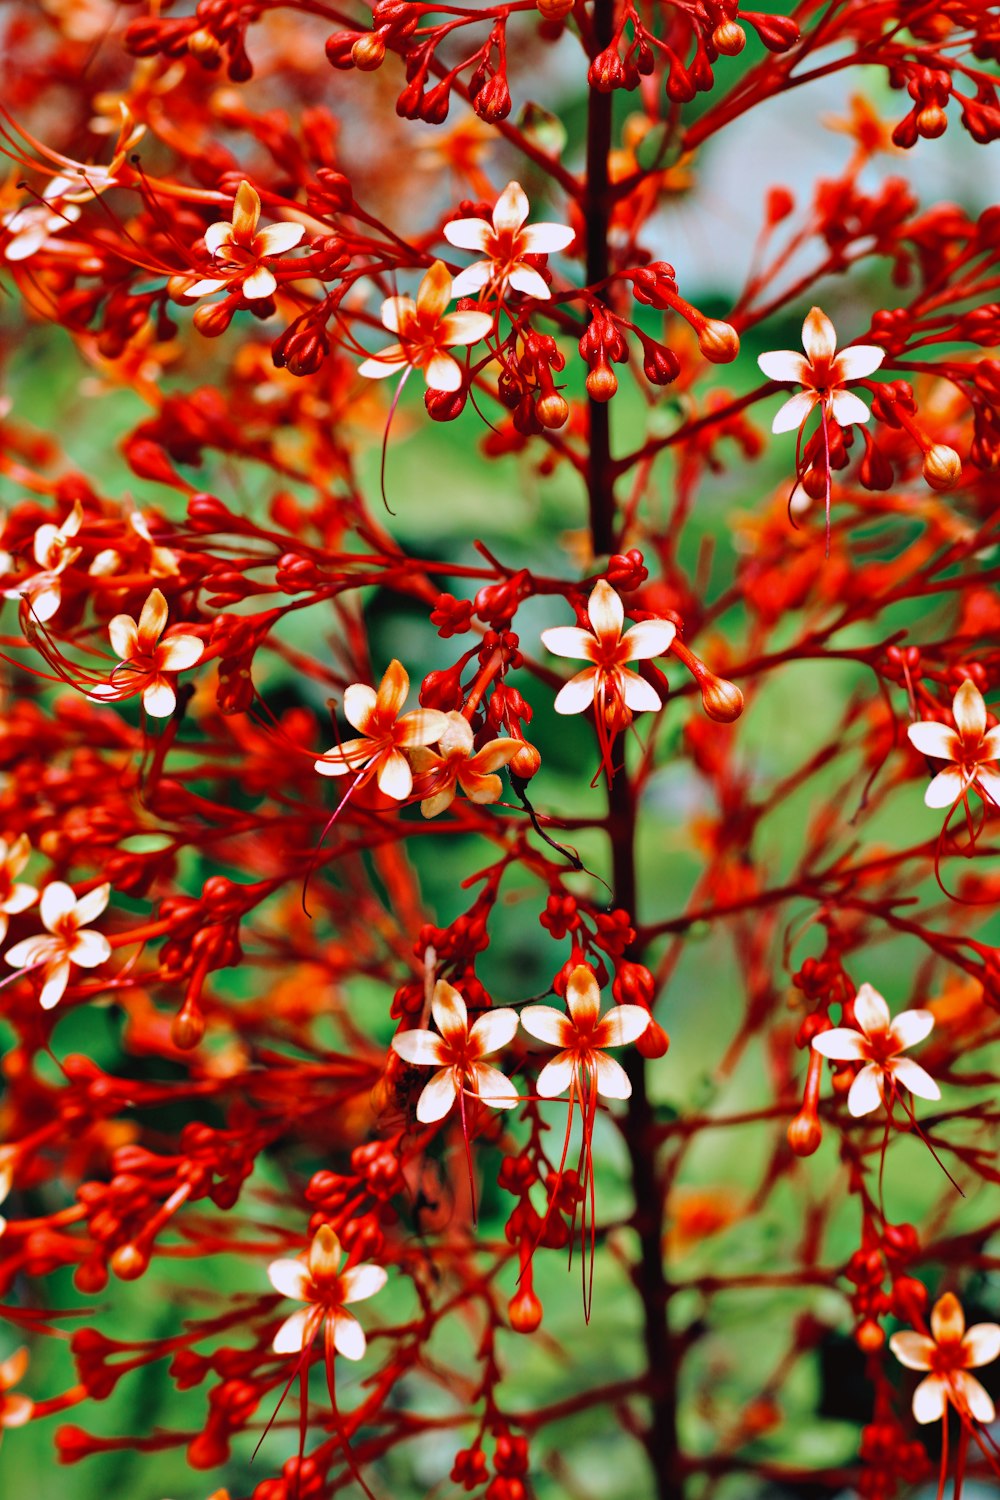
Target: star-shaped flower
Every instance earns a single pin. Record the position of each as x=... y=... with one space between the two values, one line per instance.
x=326 y=1290
x=823 y=372
x=969 y=746
x=582 y=1035
x=426 y=333
x=14 y=897
x=456 y=763
x=70 y=941
x=877 y=1043
x=53 y=551
x=242 y=249
x=457 y=1055
x=505 y=242
x=146 y=659
x=385 y=733
x=949 y=1355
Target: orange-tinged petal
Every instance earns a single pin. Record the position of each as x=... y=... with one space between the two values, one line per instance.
x=571 y=641
x=606 y=612
x=352 y=755
x=449 y=1011
x=468 y=234
x=948 y=1319
x=56 y=977
x=914 y=1350
x=491 y=757
x=361 y=1282
x=481 y=788
x=177 y=652
x=621 y=1025
x=492 y=1030
x=291 y=1279
x=612 y=1079
x=866 y=1091
x=421 y=727
x=442 y=373
x=16 y=1410
x=576 y=696
x=857 y=361
x=246 y=212
x=819 y=337
x=360 y=703
x=970 y=712
x=90 y=949
x=259 y=284
x=296 y=1331
x=387 y=362
x=158 y=698
x=58 y=900
x=548 y=1025
x=556 y=1077
x=218 y=237
x=397 y=312
x=981 y=1344
x=348 y=1336
x=438 y=1097
x=394 y=777
x=278 y=239
x=511 y=209
x=493 y=1087
x=544 y=239
x=124 y=637
x=14 y=1368
x=871 y=1011
x=392 y=691
x=976 y=1398
x=434 y=292
x=784 y=365
x=90 y=906
x=152 y=622
x=648 y=639
x=422 y=1049
x=930 y=1399
x=583 y=998
x=934 y=739
x=325 y=1254
x=527 y=280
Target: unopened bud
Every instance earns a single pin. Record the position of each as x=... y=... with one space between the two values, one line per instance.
x=805 y=1133
x=188 y=1027
x=128 y=1262
x=720 y=699
x=942 y=467
x=554 y=10
x=524 y=1311
x=552 y=410
x=729 y=38
x=718 y=341
x=814 y=483
x=932 y=122
x=602 y=382
x=869 y=1336
x=653 y=1043
x=207 y=48
x=213 y=318
x=368 y=52
x=526 y=762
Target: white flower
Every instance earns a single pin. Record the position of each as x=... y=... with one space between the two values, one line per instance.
x=968 y=745
x=326 y=1290
x=71 y=942
x=505 y=242
x=823 y=372
x=950 y=1354
x=878 y=1043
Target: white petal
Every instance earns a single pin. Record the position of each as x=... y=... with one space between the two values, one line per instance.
x=450 y=1013
x=260 y=283
x=914 y=1350
x=158 y=698
x=606 y=611
x=58 y=900
x=359 y=704
x=981 y=1344
x=294 y=1333
x=378 y=368
x=639 y=695
x=937 y=740
x=465 y=327
x=56 y=979
x=576 y=696
x=621 y=1025
x=866 y=1091
x=394 y=776
x=910 y=1027
x=468 y=234
x=784 y=365
x=569 y=640
x=946 y=788
x=472 y=280
x=794 y=412
x=871 y=1011
x=362 y=1282
x=857 y=361
x=842 y=1043
x=612 y=1079
x=556 y=1077
x=648 y=639
x=178 y=652
x=819 y=338
x=442 y=373
x=290 y=1278
x=421 y=1048
x=976 y=1398
x=348 y=1336
x=545 y=239
x=277 y=239
x=124 y=636
x=930 y=1399
x=848 y=408
x=493 y=1087
x=511 y=209
x=397 y=310
x=438 y=1097
x=970 y=712
x=90 y=950
x=205 y=287
x=547 y=1024
x=493 y=1030
x=913 y=1077
x=90 y=906
x=527 y=280
x=216 y=235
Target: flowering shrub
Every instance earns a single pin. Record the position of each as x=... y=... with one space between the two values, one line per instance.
x=344 y=919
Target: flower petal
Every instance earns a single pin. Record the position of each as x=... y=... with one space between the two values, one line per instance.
x=421 y=1048
x=794 y=412
x=472 y=280
x=527 y=280
x=464 y=327
x=56 y=979
x=290 y=1278
x=19 y=899
x=612 y=1079
x=640 y=696
x=218 y=235
x=784 y=364
x=260 y=283
x=493 y=755
x=392 y=691
x=576 y=696
x=948 y=1319
x=434 y=292
x=871 y=1011
x=981 y=1345
x=545 y=239
x=910 y=1027
x=511 y=209
x=583 y=998
x=970 y=712
x=90 y=949
x=977 y=1399
x=394 y=777
x=295 y=1332
x=914 y=1350
x=648 y=639
x=569 y=640
x=31 y=951
x=493 y=1030
x=90 y=906
x=857 y=361
x=468 y=234
x=278 y=239
x=389 y=362
x=819 y=337
x=205 y=287
x=606 y=611
x=946 y=788
x=352 y=755
x=397 y=312
x=152 y=621
x=177 y=652
x=493 y=1087
x=360 y=702
x=438 y=1097
x=990 y=749
x=913 y=1077
x=58 y=900
x=930 y=1399
x=934 y=739
x=621 y=1025
x=421 y=726
x=556 y=1077
x=361 y=1282
x=848 y=408
x=866 y=1091
x=842 y=1043
x=246 y=210
x=449 y=1011
x=442 y=373
x=348 y=1336
x=987 y=784
x=124 y=637
x=158 y=698
x=548 y=1025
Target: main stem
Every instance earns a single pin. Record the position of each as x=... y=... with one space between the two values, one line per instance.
x=651 y=1281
